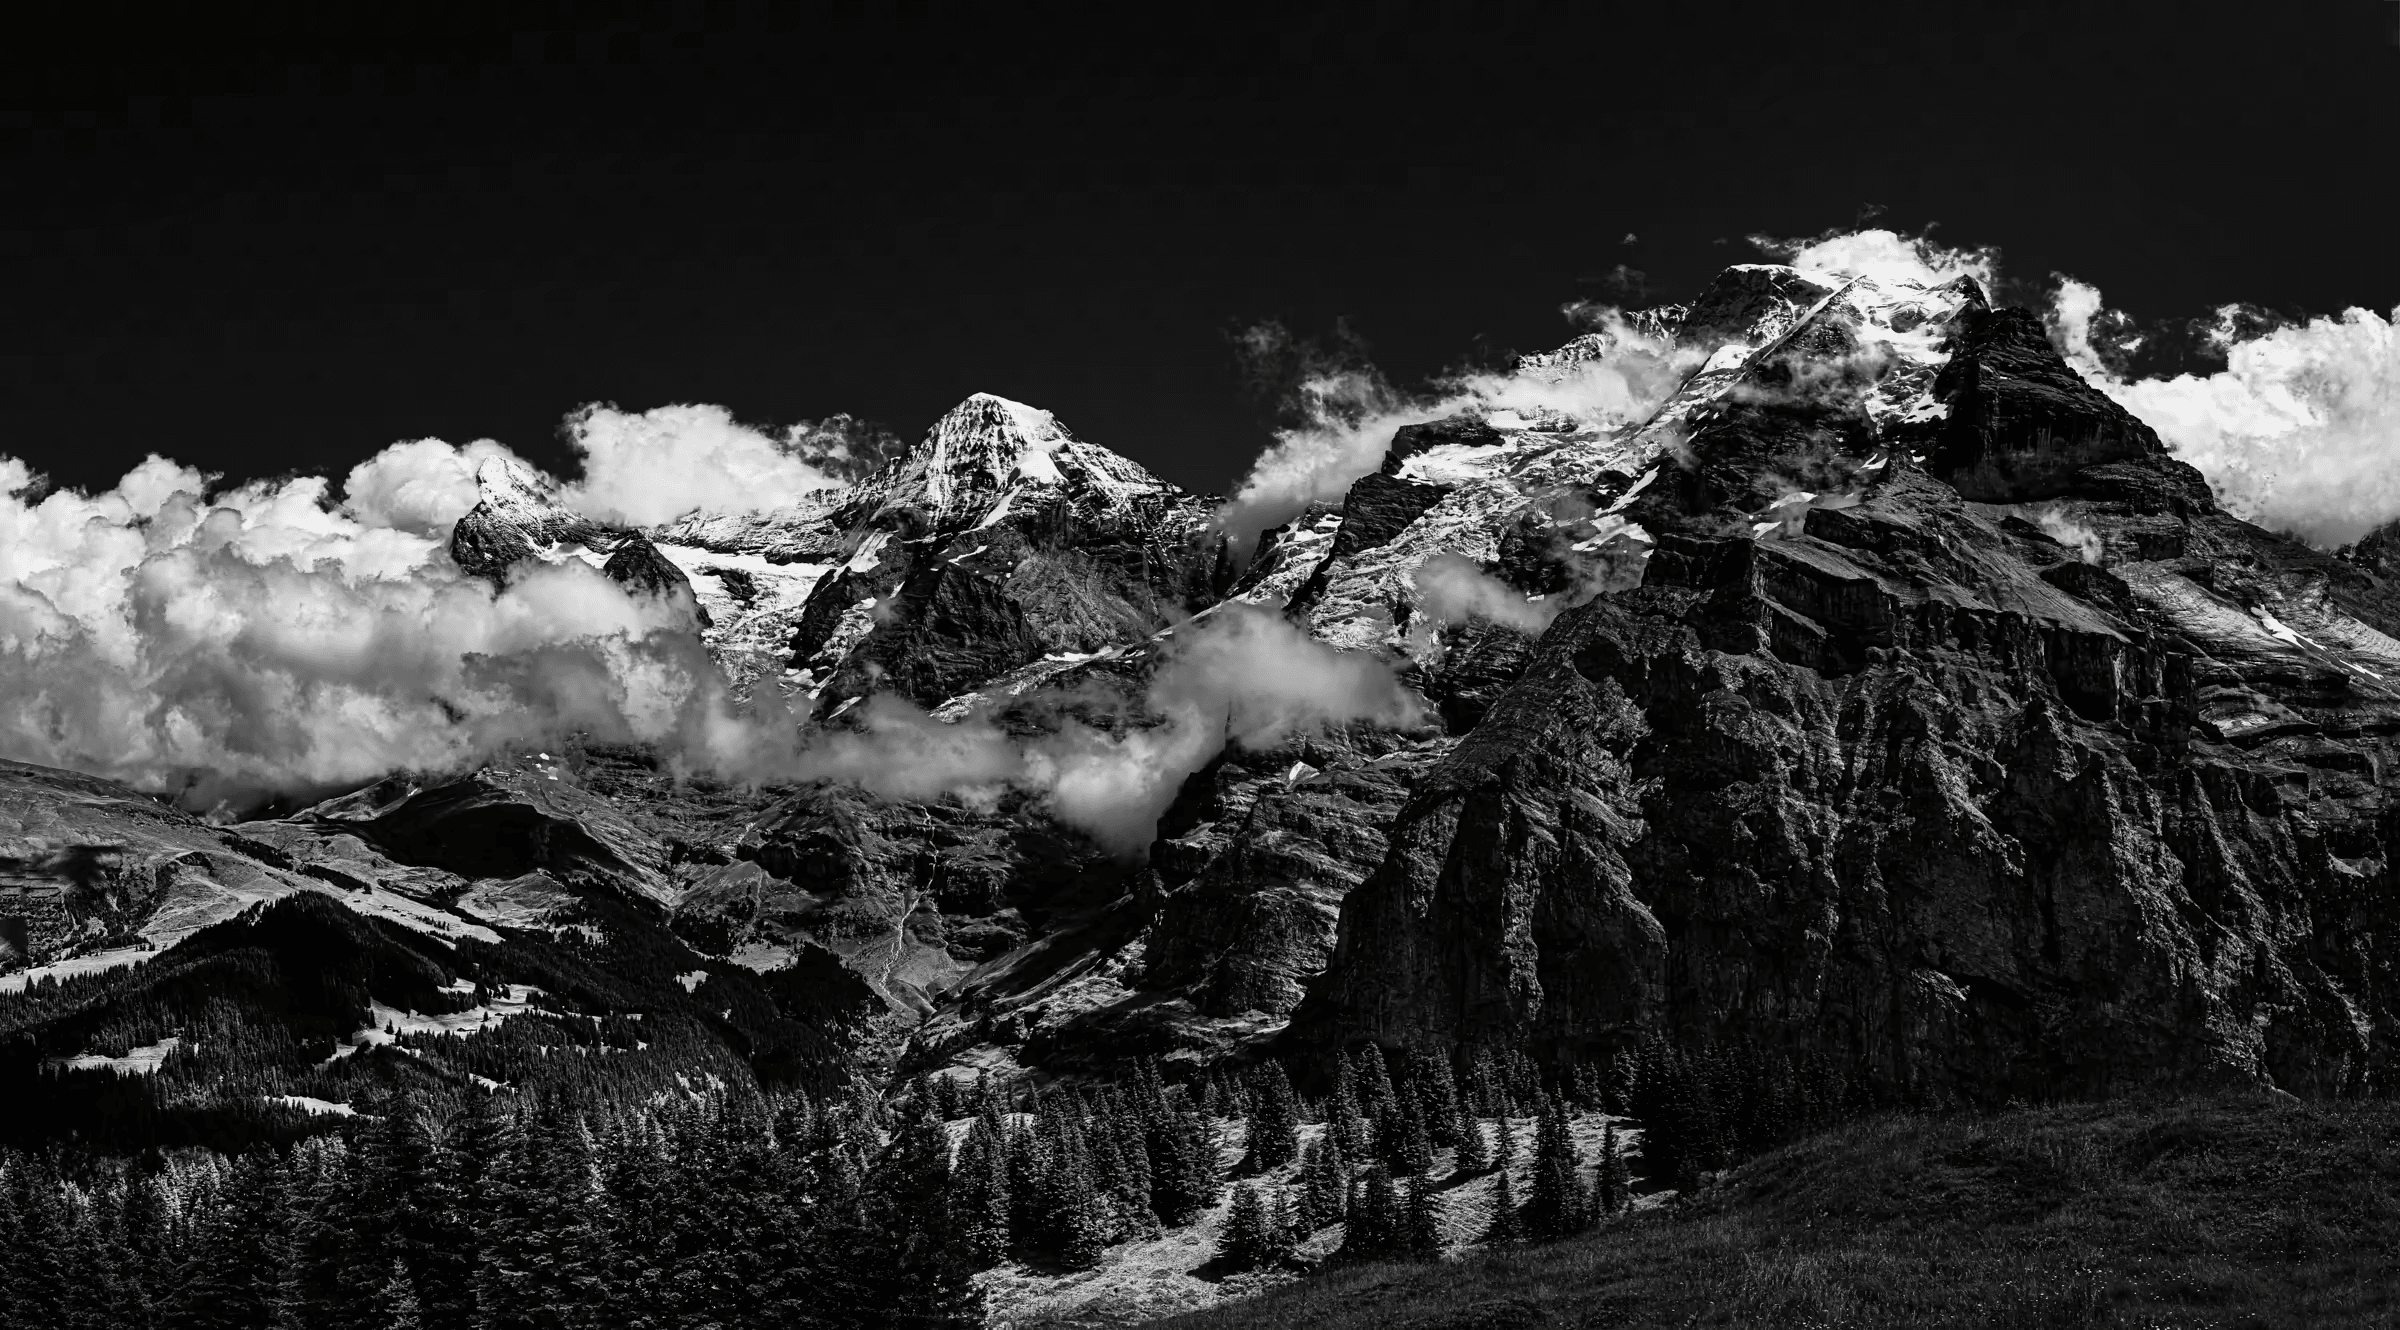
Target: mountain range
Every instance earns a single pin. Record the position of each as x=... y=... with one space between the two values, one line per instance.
x=1887 y=693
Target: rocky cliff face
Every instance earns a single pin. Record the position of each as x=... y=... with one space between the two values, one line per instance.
x=2012 y=766
x=1888 y=693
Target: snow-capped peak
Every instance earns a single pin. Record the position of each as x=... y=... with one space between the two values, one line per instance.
x=516 y=496
x=987 y=450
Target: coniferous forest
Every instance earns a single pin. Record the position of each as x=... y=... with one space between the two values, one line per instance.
x=711 y=1202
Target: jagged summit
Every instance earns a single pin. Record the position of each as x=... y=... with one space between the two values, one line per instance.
x=509 y=493
x=516 y=518
x=989 y=453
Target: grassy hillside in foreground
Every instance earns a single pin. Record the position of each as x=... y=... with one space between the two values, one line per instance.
x=2230 y=1210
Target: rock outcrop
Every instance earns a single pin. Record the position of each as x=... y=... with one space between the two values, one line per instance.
x=515 y=519
x=1989 y=798
x=637 y=566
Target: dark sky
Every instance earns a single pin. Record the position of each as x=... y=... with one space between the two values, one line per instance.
x=280 y=249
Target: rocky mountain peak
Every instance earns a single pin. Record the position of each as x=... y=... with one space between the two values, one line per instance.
x=516 y=518
x=510 y=493
x=988 y=451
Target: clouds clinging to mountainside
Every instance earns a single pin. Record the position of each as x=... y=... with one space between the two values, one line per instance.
x=280 y=637
x=1345 y=415
x=1240 y=675
x=264 y=640
x=2299 y=432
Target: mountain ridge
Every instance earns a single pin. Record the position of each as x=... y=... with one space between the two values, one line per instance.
x=1879 y=566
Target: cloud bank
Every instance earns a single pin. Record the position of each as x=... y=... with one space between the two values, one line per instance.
x=1884 y=257
x=422 y=486
x=225 y=646
x=1239 y=675
x=2300 y=431
x=650 y=467
x=1344 y=416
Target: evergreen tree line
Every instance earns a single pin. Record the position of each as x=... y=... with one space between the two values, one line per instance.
x=1710 y=1107
x=725 y=1208
x=1371 y=1169
x=715 y=1211
x=1051 y=1179
x=1386 y=1113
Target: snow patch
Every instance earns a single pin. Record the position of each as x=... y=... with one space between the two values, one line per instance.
x=143 y=1061
x=391 y=1022
x=313 y=1106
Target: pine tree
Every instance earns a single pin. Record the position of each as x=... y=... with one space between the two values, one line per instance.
x=1523 y=1078
x=637 y=1192
x=95 y=1284
x=1342 y=1110
x=794 y=1119
x=1424 y=1224
x=311 y=1291
x=1130 y=1188
x=1322 y=1184
x=1554 y=1204
x=1504 y=1143
x=1071 y=1223
x=21 y=1296
x=979 y=1191
x=1246 y=1243
x=1580 y=1089
x=1611 y=1187
x=1377 y=1225
x=1283 y=1226
x=1375 y=1084
x=1027 y=1163
x=1274 y=1132
x=1214 y=1101
x=1407 y=1146
x=1485 y=1087
x=1474 y=1156
x=916 y=1169
x=144 y=1236
x=1507 y=1225
x=892 y=1256
x=396 y=1306
x=1621 y=1081
x=243 y=1251
x=1436 y=1090
x=540 y=1254
x=1183 y=1161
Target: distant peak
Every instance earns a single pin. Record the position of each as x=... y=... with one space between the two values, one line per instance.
x=520 y=497
x=988 y=448
x=501 y=477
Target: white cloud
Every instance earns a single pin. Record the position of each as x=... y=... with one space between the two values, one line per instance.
x=2300 y=432
x=260 y=640
x=1351 y=416
x=645 y=468
x=421 y=486
x=1885 y=257
x=1450 y=587
x=1268 y=679
x=1240 y=675
x=900 y=752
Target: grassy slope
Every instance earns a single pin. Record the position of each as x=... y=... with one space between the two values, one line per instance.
x=2232 y=1210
